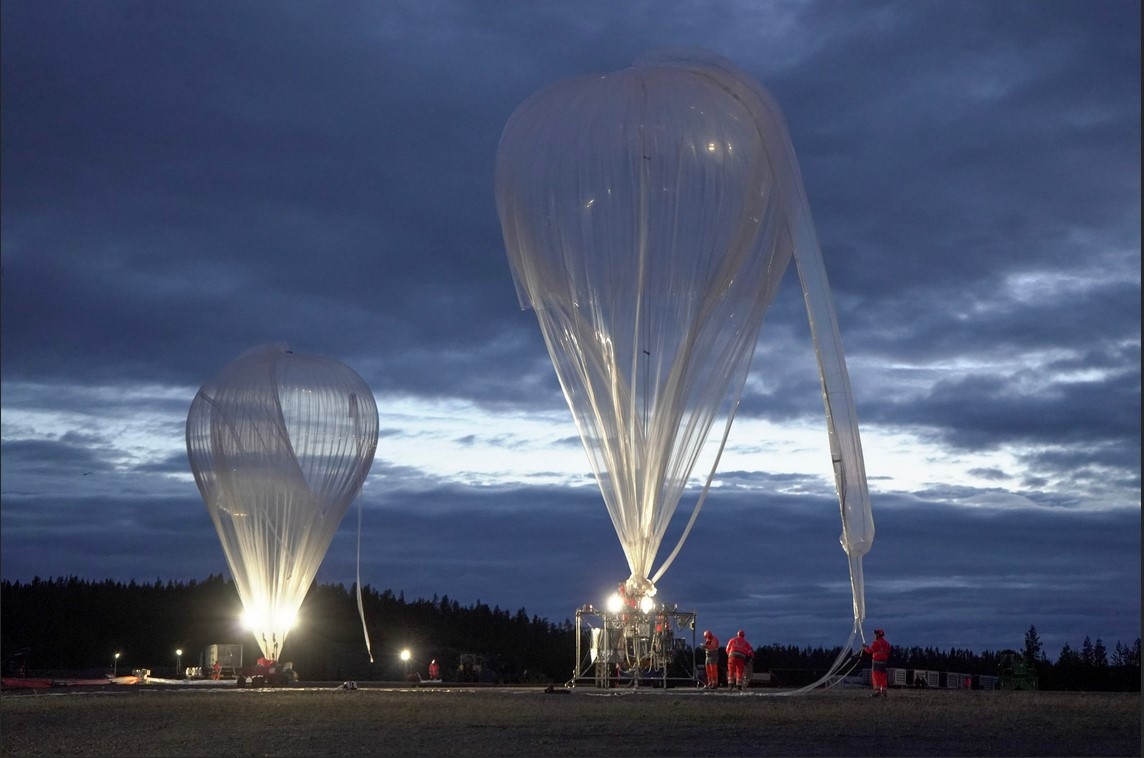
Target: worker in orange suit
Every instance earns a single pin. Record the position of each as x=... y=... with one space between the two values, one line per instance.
x=879 y=651
x=711 y=646
x=739 y=655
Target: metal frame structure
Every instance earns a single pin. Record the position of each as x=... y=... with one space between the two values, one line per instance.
x=631 y=647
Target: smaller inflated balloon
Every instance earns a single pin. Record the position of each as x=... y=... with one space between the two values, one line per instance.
x=279 y=443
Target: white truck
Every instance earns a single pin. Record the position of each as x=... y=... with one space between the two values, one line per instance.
x=228 y=658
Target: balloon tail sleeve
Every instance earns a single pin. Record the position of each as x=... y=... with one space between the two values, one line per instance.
x=360 y=607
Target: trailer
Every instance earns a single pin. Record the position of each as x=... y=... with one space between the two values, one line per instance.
x=228 y=658
x=220 y=661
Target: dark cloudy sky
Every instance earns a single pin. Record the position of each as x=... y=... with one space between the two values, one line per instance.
x=185 y=180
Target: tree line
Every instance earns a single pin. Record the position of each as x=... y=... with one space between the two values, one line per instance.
x=70 y=624
x=73 y=624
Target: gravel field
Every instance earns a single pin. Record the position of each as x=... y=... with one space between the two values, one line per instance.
x=395 y=721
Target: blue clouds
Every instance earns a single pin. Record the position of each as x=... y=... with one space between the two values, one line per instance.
x=182 y=182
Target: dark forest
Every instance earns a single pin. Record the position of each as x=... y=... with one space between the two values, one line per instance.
x=76 y=625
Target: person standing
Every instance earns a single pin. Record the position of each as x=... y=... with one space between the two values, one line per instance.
x=434 y=670
x=712 y=648
x=879 y=651
x=739 y=655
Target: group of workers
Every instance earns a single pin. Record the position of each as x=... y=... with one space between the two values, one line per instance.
x=740 y=654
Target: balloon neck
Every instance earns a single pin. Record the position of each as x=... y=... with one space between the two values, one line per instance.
x=639 y=586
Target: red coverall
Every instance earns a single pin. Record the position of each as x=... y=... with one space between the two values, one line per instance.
x=711 y=645
x=739 y=651
x=879 y=651
x=434 y=670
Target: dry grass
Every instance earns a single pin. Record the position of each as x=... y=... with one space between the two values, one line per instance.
x=145 y=721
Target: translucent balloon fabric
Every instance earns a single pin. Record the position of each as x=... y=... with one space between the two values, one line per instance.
x=649 y=216
x=279 y=444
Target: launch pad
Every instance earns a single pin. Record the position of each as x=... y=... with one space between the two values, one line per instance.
x=632 y=648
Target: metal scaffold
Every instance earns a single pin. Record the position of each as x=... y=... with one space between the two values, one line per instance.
x=631 y=648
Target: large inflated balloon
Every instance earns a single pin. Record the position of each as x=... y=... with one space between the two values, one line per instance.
x=649 y=215
x=280 y=444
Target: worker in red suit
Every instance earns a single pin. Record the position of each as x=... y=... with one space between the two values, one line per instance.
x=879 y=651
x=711 y=646
x=629 y=601
x=739 y=655
x=434 y=669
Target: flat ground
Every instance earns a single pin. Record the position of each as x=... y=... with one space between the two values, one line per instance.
x=394 y=721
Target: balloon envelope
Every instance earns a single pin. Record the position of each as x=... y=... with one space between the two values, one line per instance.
x=649 y=216
x=279 y=444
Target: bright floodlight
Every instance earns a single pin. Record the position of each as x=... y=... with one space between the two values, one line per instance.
x=649 y=216
x=279 y=443
x=614 y=603
x=646 y=604
x=262 y=616
x=406 y=655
